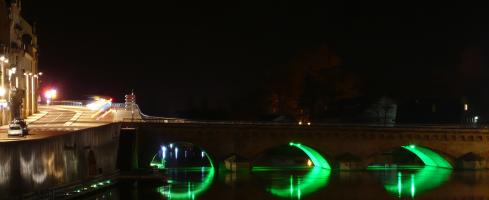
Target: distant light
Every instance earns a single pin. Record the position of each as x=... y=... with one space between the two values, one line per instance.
x=300 y=122
x=466 y=107
x=412 y=146
x=51 y=94
x=309 y=163
x=6 y=61
x=202 y=154
x=171 y=145
x=308 y=123
x=2 y=58
x=176 y=152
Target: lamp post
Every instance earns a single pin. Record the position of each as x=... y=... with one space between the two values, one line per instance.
x=35 y=91
x=3 y=91
x=27 y=94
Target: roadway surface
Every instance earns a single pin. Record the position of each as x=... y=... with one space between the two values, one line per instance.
x=54 y=120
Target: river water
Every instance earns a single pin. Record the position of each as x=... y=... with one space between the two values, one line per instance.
x=410 y=182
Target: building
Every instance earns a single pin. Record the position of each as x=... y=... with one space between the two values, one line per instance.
x=18 y=59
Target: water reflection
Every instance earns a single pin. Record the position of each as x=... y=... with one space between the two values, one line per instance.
x=5 y=169
x=296 y=186
x=185 y=187
x=413 y=182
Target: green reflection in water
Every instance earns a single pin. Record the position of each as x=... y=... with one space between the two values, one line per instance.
x=429 y=157
x=408 y=184
x=296 y=187
x=191 y=190
x=316 y=158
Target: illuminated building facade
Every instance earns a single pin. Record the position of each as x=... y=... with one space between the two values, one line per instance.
x=19 y=47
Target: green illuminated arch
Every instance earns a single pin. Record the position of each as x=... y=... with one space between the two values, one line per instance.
x=423 y=180
x=193 y=189
x=316 y=158
x=429 y=157
x=314 y=180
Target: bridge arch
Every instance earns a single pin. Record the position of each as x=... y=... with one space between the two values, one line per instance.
x=161 y=154
x=428 y=155
x=193 y=189
x=317 y=159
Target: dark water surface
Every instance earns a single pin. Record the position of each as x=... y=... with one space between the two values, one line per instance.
x=310 y=183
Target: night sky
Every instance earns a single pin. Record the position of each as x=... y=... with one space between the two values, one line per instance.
x=177 y=53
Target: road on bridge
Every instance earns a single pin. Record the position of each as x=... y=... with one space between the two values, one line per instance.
x=55 y=119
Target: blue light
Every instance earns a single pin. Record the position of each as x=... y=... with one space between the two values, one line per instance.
x=163 y=149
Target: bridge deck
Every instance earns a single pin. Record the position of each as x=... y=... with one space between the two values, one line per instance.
x=55 y=120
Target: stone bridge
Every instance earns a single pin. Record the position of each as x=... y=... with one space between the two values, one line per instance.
x=366 y=143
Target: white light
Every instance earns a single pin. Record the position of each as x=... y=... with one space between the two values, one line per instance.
x=6 y=61
x=2 y=91
x=202 y=154
x=466 y=107
x=300 y=122
x=176 y=153
x=164 y=151
x=171 y=145
x=2 y=58
x=308 y=123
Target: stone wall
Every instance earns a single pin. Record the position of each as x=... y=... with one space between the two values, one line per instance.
x=36 y=165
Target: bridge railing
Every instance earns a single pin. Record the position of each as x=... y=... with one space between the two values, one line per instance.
x=118 y=105
x=349 y=125
x=153 y=119
x=67 y=103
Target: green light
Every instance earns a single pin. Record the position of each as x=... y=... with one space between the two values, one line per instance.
x=413 y=188
x=316 y=158
x=399 y=184
x=425 y=179
x=291 y=185
x=192 y=191
x=313 y=181
x=412 y=146
x=429 y=157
